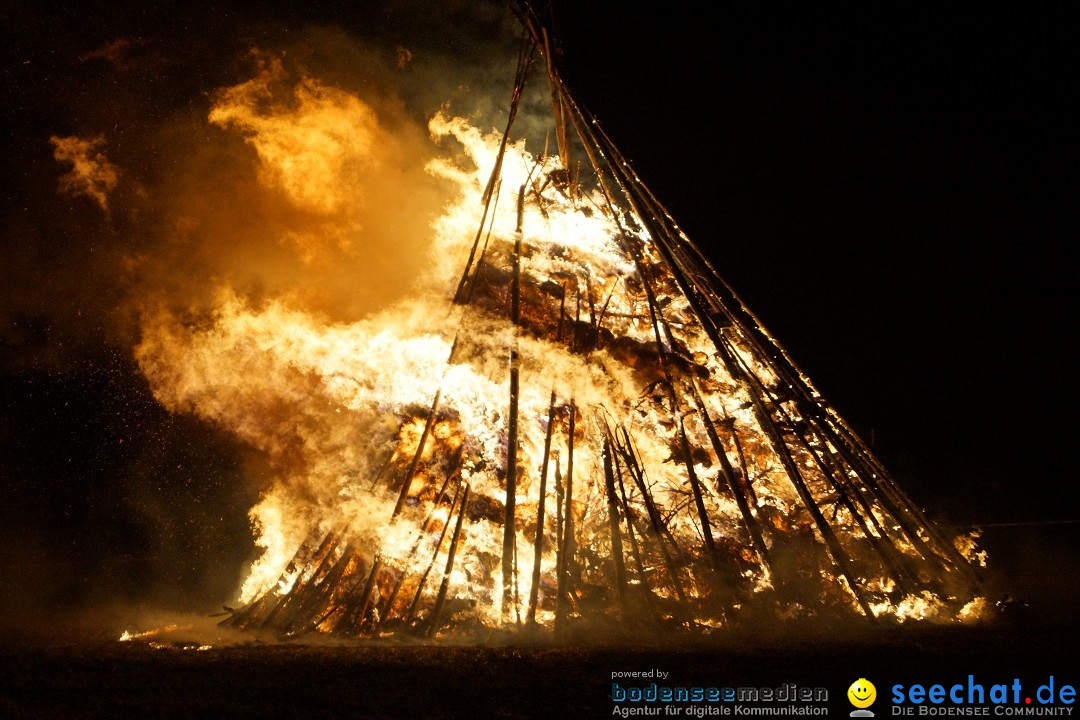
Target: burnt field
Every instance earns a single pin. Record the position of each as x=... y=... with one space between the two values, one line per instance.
x=400 y=680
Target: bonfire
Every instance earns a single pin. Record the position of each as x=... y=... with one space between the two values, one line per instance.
x=574 y=423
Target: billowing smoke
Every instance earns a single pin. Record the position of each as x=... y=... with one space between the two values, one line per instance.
x=151 y=161
x=299 y=189
x=91 y=172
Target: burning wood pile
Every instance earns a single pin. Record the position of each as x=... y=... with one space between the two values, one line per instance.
x=584 y=427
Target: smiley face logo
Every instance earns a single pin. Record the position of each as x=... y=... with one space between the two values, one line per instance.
x=862 y=693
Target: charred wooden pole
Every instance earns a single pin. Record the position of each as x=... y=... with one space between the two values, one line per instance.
x=301 y=601
x=885 y=551
x=321 y=554
x=753 y=528
x=353 y=619
x=585 y=133
x=539 y=34
x=825 y=458
x=252 y=610
x=839 y=555
x=428 y=424
x=574 y=344
x=613 y=523
x=411 y=473
x=470 y=287
x=635 y=549
x=538 y=546
x=349 y=556
x=562 y=316
x=603 y=312
x=559 y=529
x=699 y=502
x=628 y=184
x=525 y=60
x=567 y=547
x=747 y=483
x=388 y=606
x=509 y=522
x=592 y=306
x=309 y=615
x=384 y=466
x=658 y=323
x=433 y=624
x=517 y=591
x=431 y=564
x=672 y=247
x=656 y=523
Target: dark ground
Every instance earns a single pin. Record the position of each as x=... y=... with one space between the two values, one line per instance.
x=76 y=668
x=112 y=679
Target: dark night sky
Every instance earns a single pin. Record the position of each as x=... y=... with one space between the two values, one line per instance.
x=890 y=191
